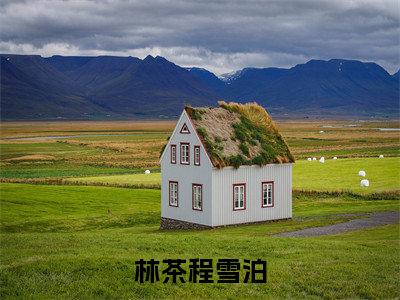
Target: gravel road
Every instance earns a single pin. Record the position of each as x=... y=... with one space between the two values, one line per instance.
x=375 y=219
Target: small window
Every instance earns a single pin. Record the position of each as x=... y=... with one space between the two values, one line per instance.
x=267 y=194
x=184 y=129
x=239 y=196
x=185 y=153
x=197 y=155
x=197 y=196
x=173 y=154
x=173 y=193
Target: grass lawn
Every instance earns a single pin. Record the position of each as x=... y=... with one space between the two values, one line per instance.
x=342 y=174
x=71 y=241
x=333 y=175
x=80 y=242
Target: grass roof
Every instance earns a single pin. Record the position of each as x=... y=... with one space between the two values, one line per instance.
x=239 y=134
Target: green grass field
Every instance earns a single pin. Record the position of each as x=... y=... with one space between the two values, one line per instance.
x=333 y=175
x=80 y=242
x=69 y=241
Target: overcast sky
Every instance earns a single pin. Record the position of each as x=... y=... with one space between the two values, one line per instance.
x=221 y=36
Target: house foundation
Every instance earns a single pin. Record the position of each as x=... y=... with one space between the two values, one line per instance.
x=167 y=223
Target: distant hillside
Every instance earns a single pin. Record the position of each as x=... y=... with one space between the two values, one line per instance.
x=107 y=87
x=344 y=87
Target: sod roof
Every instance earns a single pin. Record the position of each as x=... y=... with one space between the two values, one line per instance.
x=239 y=134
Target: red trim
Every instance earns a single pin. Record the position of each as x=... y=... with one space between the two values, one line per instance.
x=194 y=155
x=233 y=196
x=177 y=193
x=173 y=161
x=262 y=194
x=201 y=207
x=191 y=123
x=180 y=153
x=184 y=129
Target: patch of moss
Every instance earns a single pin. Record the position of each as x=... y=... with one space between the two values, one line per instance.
x=195 y=113
x=273 y=148
x=245 y=150
x=214 y=148
x=237 y=160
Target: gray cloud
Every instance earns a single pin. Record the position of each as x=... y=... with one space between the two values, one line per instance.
x=219 y=35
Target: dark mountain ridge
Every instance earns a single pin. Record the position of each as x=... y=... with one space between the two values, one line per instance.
x=59 y=87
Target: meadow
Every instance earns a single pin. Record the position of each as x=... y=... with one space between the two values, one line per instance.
x=61 y=238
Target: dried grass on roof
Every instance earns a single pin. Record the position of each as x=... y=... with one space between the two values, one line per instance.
x=239 y=134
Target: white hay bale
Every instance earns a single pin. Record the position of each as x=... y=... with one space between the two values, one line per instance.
x=321 y=131
x=381 y=156
x=334 y=158
x=364 y=183
x=147 y=172
x=362 y=173
x=309 y=159
x=314 y=158
x=322 y=160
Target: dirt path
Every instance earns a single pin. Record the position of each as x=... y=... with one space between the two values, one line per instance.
x=375 y=219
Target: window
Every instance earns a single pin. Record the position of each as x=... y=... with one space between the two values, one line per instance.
x=173 y=193
x=185 y=153
x=197 y=196
x=197 y=155
x=239 y=196
x=267 y=194
x=173 y=154
x=184 y=129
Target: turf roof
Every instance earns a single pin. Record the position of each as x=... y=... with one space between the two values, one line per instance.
x=239 y=134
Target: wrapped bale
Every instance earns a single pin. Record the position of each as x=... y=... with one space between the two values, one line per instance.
x=147 y=172
x=322 y=160
x=364 y=183
x=362 y=173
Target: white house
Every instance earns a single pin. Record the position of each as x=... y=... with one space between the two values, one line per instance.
x=225 y=165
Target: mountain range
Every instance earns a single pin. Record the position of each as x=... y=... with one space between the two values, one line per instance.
x=109 y=87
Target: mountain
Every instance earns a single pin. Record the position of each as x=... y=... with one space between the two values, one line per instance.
x=209 y=79
x=32 y=89
x=396 y=76
x=331 y=87
x=59 y=87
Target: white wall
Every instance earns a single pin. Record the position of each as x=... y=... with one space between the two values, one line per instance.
x=223 y=213
x=186 y=175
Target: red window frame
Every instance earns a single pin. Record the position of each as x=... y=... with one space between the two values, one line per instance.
x=173 y=157
x=180 y=153
x=194 y=155
x=233 y=196
x=184 y=129
x=262 y=194
x=169 y=193
x=201 y=199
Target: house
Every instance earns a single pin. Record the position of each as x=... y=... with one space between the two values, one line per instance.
x=225 y=165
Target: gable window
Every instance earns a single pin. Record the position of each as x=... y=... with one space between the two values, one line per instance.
x=173 y=193
x=267 y=194
x=197 y=196
x=184 y=129
x=197 y=155
x=173 y=154
x=185 y=154
x=239 y=196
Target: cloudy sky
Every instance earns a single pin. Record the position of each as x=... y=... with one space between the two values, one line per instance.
x=221 y=36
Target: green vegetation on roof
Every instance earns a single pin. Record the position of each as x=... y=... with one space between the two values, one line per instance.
x=253 y=137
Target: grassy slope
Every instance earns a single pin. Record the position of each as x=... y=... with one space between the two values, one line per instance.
x=69 y=244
